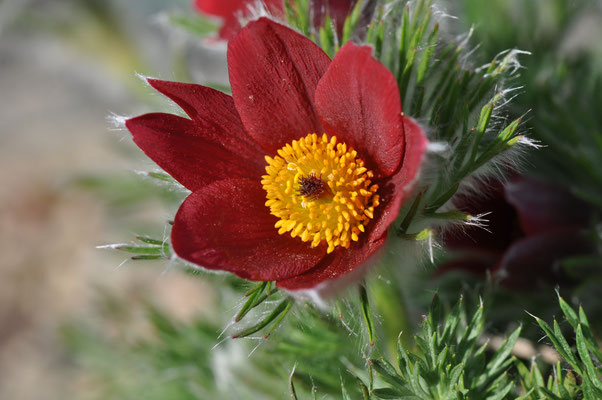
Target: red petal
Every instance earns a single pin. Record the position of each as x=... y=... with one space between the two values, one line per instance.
x=228 y=8
x=338 y=10
x=230 y=28
x=274 y=72
x=358 y=101
x=232 y=10
x=502 y=228
x=336 y=269
x=476 y=263
x=226 y=226
x=176 y=145
x=397 y=190
x=536 y=258
x=220 y=8
x=543 y=207
x=215 y=115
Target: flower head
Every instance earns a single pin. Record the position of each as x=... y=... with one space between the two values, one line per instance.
x=231 y=11
x=298 y=175
x=533 y=226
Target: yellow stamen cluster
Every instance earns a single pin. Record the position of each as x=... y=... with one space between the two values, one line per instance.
x=338 y=202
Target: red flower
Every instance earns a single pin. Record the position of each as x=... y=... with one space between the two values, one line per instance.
x=533 y=227
x=232 y=10
x=324 y=142
x=338 y=10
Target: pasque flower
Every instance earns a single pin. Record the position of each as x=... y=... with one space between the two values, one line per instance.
x=338 y=10
x=296 y=177
x=533 y=226
x=232 y=10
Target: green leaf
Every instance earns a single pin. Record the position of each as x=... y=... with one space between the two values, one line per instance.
x=566 y=349
x=194 y=23
x=148 y=240
x=471 y=333
x=456 y=373
x=508 y=132
x=146 y=257
x=402 y=356
x=407 y=220
x=559 y=345
x=150 y=250
x=367 y=314
x=590 y=369
x=388 y=393
x=549 y=393
x=568 y=312
x=254 y=299
x=327 y=39
x=435 y=311
x=427 y=55
x=591 y=340
x=501 y=394
x=344 y=391
x=291 y=385
x=502 y=354
x=536 y=375
x=442 y=357
x=526 y=396
x=387 y=373
x=162 y=177
x=268 y=290
x=365 y=392
x=588 y=393
x=351 y=22
x=451 y=323
x=255 y=288
x=278 y=321
x=282 y=307
x=485 y=117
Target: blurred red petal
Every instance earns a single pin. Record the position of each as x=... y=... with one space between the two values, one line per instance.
x=487 y=197
x=228 y=8
x=229 y=28
x=535 y=258
x=232 y=10
x=543 y=207
x=358 y=101
x=338 y=10
x=226 y=226
x=476 y=263
x=274 y=72
x=188 y=153
x=220 y=8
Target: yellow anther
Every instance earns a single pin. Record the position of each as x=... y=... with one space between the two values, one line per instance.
x=320 y=191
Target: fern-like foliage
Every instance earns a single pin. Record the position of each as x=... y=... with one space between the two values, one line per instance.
x=448 y=362
x=331 y=358
x=583 y=378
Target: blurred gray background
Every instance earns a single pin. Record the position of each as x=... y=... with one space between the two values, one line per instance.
x=67 y=178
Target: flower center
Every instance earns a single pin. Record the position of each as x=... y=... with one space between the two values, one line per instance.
x=320 y=190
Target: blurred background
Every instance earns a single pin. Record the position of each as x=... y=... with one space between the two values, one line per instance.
x=69 y=181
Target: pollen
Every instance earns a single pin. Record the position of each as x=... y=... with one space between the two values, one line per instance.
x=321 y=191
